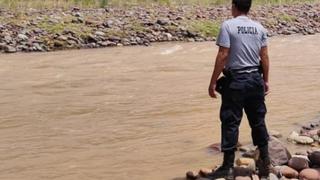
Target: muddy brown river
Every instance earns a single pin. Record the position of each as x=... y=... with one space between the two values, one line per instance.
x=135 y=113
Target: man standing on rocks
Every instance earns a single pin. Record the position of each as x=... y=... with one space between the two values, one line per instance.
x=242 y=49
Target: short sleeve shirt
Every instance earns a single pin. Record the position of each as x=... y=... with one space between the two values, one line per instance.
x=245 y=38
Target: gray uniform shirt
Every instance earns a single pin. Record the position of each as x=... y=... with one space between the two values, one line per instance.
x=245 y=38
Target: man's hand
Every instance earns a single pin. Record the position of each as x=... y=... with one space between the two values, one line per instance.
x=266 y=88
x=212 y=90
x=221 y=59
x=265 y=68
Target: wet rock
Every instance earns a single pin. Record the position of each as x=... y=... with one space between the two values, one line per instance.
x=242 y=171
x=250 y=163
x=190 y=176
x=286 y=171
x=298 y=163
x=314 y=158
x=279 y=154
x=204 y=172
x=309 y=174
x=313 y=149
x=295 y=137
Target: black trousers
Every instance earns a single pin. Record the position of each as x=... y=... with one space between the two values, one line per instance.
x=240 y=92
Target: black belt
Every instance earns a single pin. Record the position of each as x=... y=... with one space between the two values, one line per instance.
x=245 y=70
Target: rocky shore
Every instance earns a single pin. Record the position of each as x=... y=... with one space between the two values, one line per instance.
x=304 y=165
x=49 y=30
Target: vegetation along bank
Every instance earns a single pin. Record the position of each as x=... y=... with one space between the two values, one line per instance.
x=49 y=29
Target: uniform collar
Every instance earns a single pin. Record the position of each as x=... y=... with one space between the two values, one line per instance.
x=242 y=17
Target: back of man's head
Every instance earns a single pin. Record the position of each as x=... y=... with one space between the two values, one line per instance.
x=242 y=5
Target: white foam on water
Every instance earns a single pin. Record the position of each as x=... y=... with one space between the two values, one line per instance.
x=171 y=50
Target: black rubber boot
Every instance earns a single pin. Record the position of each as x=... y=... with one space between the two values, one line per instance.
x=226 y=170
x=264 y=162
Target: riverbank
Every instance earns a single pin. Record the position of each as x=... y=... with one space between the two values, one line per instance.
x=50 y=30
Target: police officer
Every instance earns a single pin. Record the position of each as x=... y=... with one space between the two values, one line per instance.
x=242 y=49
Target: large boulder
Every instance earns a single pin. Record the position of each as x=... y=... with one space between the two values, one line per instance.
x=299 y=163
x=309 y=174
x=278 y=152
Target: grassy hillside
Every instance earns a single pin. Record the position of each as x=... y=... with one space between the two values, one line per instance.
x=102 y=3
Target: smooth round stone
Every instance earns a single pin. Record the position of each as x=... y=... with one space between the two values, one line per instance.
x=298 y=163
x=287 y=171
x=314 y=157
x=309 y=174
x=250 y=163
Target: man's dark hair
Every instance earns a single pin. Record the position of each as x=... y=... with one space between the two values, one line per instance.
x=242 y=5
